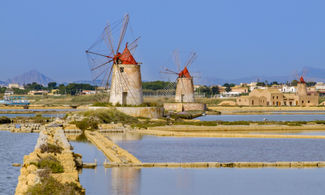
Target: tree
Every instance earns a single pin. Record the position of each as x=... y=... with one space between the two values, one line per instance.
x=204 y=89
x=228 y=86
x=51 y=85
x=62 y=89
x=215 y=90
x=274 y=83
x=155 y=85
x=294 y=83
x=310 y=83
x=75 y=88
x=33 y=86
x=3 y=89
x=261 y=84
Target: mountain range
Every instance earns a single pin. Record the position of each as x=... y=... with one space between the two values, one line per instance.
x=29 y=77
x=310 y=74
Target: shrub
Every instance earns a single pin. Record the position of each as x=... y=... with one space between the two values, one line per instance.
x=4 y=120
x=50 y=186
x=51 y=148
x=102 y=104
x=108 y=116
x=51 y=163
x=320 y=122
x=87 y=123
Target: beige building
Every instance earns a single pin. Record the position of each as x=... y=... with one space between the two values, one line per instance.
x=240 y=89
x=40 y=92
x=274 y=97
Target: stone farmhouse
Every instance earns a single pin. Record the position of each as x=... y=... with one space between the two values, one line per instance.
x=274 y=97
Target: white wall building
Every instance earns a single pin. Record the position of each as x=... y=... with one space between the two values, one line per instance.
x=15 y=85
x=320 y=86
x=288 y=89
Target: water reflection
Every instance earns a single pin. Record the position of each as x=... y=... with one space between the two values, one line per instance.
x=126 y=180
x=202 y=181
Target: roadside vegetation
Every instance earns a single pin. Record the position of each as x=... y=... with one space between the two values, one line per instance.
x=36 y=119
x=94 y=117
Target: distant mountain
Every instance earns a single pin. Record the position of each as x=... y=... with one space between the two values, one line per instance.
x=2 y=83
x=30 y=77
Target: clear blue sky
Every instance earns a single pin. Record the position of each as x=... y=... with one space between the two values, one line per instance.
x=233 y=38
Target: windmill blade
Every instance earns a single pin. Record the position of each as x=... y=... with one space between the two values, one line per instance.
x=165 y=72
x=170 y=71
x=170 y=89
x=191 y=59
x=177 y=59
x=304 y=72
x=109 y=75
x=95 y=68
x=123 y=31
x=104 y=81
x=132 y=46
x=108 y=38
x=296 y=75
x=98 y=54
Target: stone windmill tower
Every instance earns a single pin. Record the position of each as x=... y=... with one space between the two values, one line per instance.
x=301 y=87
x=118 y=72
x=184 y=82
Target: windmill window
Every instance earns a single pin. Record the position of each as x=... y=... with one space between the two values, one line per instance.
x=121 y=69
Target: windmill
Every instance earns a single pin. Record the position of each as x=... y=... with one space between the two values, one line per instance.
x=184 y=81
x=117 y=71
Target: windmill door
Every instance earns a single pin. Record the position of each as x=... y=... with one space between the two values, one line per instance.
x=182 y=97
x=124 y=96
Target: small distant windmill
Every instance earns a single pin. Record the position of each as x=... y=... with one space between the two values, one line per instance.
x=301 y=84
x=184 y=81
x=116 y=71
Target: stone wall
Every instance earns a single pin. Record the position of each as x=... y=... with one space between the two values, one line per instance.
x=31 y=175
x=179 y=107
x=148 y=112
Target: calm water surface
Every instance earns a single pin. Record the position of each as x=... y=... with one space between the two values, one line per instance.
x=260 y=117
x=171 y=149
x=13 y=147
x=195 y=181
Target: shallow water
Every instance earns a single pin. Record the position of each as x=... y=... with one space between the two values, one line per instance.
x=172 y=149
x=38 y=110
x=13 y=147
x=195 y=181
x=32 y=115
x=262 y=117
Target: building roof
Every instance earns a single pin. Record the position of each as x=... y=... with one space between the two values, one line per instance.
x=184 y=73
x=126 y=57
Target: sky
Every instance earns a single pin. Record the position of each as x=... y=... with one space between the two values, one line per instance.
x=233 y=38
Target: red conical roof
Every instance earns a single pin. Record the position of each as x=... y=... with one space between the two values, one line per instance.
x=302 y=80
x=184 y=73
x=126 y=57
